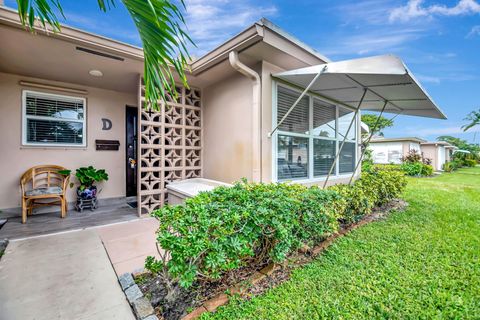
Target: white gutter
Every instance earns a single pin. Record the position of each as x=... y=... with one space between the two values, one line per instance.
x=256 y=118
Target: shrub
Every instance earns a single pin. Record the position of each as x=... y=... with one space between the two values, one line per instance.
x=448 y=167
x=470 y=163
x=452 y=165
x=226 y=228
x=416 y=169
x=388 y=167
x=374 y=188
x=412 y=157
x=427 y=170
x=412 y=168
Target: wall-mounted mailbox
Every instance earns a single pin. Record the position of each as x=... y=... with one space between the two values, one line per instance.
x=107 y=145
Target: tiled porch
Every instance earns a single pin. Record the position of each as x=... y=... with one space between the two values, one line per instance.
x=48 y=223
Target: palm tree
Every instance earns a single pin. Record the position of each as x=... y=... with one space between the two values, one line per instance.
x=473 y=118
x=160 y=25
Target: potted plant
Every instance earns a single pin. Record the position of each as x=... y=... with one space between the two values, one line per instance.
x=87 y=176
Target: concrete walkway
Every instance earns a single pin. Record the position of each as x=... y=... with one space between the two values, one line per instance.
x=63 y=276
x=129 y=244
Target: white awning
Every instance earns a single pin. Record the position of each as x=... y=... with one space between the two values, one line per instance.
x=386 y=79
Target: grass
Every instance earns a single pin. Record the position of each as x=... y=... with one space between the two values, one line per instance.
x=422 y=263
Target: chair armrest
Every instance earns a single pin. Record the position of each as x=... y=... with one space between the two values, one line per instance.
x=66 y=179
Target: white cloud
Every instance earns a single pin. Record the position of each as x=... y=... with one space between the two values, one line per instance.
x=210 y=22
x=415 y=9
x=474 y=32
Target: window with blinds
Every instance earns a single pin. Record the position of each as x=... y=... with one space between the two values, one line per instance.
x=323 y=119
x=347 y=158
x=309 y=137
x=298 y=119
x=344 y=118
x=323 y=156
x=55 y=120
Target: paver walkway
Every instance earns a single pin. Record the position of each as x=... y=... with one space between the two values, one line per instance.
x=63 y=276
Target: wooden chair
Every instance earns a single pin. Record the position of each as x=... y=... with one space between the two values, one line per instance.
x=41 y=183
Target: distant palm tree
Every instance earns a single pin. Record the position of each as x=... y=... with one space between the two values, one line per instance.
x=160 y=25
x=473 y=118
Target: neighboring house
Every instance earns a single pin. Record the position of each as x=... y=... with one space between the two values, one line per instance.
x=392 y=150
x=439 y=152
x=63 y=93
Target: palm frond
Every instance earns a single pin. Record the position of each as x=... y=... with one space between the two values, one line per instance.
x=43 y=10
x=473 y=118
x=160 y=26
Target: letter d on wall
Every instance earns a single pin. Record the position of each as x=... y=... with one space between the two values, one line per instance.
x=107 y=124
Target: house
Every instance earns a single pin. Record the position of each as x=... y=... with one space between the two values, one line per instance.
x=439 y=152
x=262 y=106
x=392 y=150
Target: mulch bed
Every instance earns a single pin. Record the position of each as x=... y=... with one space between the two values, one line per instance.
x=186 y=301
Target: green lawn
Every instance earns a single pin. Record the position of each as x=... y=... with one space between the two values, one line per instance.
x=422 y=263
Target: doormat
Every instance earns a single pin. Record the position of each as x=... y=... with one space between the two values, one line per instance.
x=132 y=204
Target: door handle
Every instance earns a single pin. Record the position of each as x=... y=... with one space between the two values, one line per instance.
x=132 y=163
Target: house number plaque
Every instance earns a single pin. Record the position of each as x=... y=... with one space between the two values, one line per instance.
x=107 y=124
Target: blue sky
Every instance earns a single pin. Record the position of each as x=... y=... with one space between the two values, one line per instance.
x=438 y=40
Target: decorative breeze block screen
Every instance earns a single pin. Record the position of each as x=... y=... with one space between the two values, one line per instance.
x=170 y=146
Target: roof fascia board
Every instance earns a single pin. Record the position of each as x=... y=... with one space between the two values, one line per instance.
x=263 y=30
x=238 y=43
x=10 y=17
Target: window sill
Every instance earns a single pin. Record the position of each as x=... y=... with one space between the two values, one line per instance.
x=27 y=147
x=319 y=179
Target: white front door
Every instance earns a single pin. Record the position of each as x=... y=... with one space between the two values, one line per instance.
x=440 y=157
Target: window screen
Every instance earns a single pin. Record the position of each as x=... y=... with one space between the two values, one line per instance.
x=52 y=119
x=298 y=120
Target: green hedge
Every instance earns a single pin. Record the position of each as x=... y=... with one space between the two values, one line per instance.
x=375 y=188
x=227 y=228
x=417 y=169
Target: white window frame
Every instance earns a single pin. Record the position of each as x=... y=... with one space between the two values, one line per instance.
x=338 y=139
x=55 y=96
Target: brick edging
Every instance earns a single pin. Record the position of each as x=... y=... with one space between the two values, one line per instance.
x=222 y=299
x=141 y=306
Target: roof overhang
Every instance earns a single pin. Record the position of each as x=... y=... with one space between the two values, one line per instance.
x=386 y=80
x=437 y=143
x=402 y=139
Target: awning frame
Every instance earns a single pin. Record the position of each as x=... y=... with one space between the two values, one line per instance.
x=382 y=66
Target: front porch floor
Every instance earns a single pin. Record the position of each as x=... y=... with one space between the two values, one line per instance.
x=48 y=223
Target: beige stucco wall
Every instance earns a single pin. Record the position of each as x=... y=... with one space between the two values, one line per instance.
x=407 y=145
x=227 y=129
x=15 y=159
x=430 y=152
x=267 y=108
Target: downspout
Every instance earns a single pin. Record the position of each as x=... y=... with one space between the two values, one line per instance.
x=256 y=117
